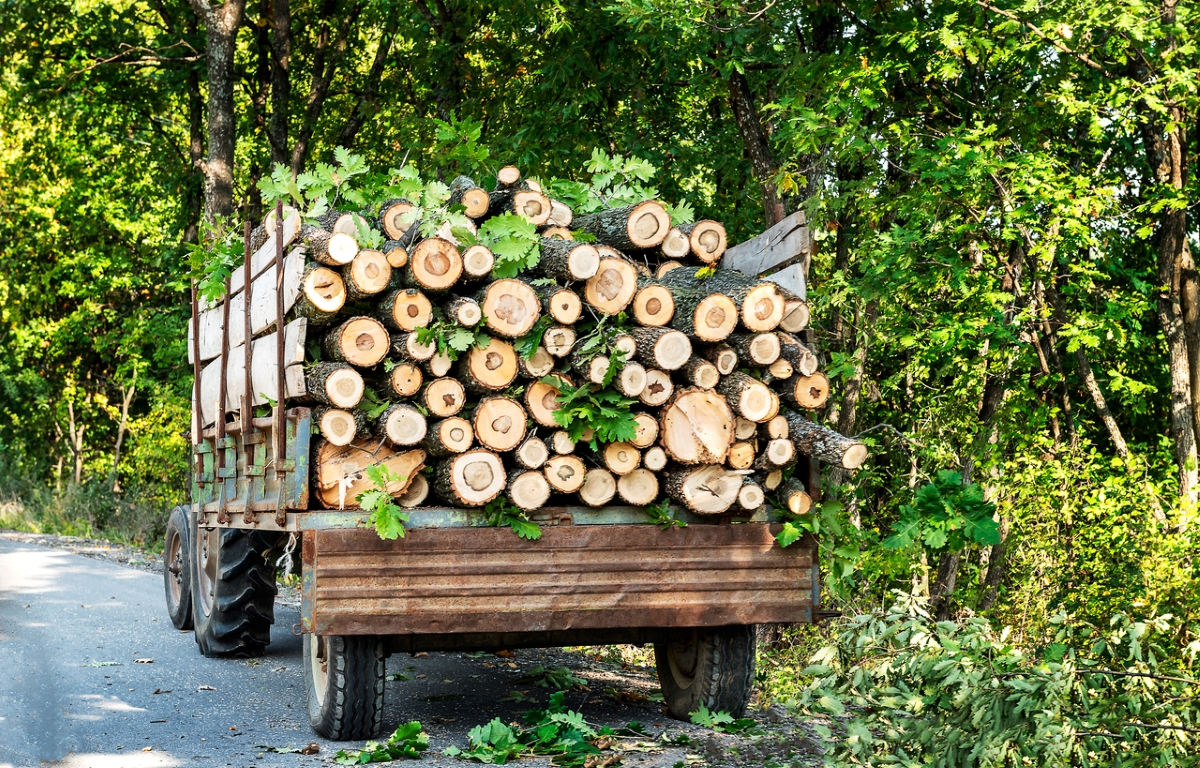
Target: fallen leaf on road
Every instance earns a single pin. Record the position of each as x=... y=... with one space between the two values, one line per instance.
x=421 y=655
x=206 y=688
x=160 y=690
x=312 y=748
x=103 y=664
x=420 y=676
x=143 y=661
x=278 y=669
x=506 y=654
x=85 y=606
x=233 y=727
x=147 y=749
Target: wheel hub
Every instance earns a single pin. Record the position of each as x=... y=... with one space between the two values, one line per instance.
x=175 y=567
x=207 y=543
x=318 y=659
x=682 y=656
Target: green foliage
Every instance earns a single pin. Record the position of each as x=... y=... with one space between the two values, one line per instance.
x=406 y=743
x=946 y=515
x=961 y=694
x=452 y=339
x=514 y=242
x=723 y=721
x=563 y=735
x=220 y=249
x=501 y=513
x=372 y=405
x=558 y=678
x=616 y=181
x=320 y=190
x=660 y=514
x=527 y=345
x=602 y=409
x=387 y=516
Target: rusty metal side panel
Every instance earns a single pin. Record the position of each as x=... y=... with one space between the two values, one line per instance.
x=455 y=580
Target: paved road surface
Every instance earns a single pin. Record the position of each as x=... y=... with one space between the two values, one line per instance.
x=73 y=694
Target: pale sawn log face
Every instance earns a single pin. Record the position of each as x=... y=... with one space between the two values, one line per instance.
x=511 y=308
x=339 y=472
x=528 y=489
x=470 y=479
x=499 y=423
x=696 y=427
x=565 y=472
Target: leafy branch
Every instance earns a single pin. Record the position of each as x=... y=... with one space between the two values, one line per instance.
x=501 y=513
x=660 y=515
x=452 y=339
x=212 y=259
x=616 y=181
x=601 y=409
x=387 y=516
x=408 y=741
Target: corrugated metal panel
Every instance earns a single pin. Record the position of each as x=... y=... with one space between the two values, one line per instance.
x=445 y=581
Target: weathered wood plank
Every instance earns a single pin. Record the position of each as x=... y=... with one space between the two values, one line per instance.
x=262 y=373
x=262 y=309
x=786 y=240
x=791 y=278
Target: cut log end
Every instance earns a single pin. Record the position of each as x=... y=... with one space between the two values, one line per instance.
x=697 y=427
x=646 y=431
x=707 y=240
x=475 y=200
x=777 y=427
x=410 y=310
x=706 y=490
x=537 y=365
x=471 y=479
x=511 y=308
x=508 y=175
x=532 y=453
x=415 y=494
x=325 y=289
x=499 y=423
x=676 y=244
x=338 y=426
x=621 y=458
x=659 y=387
x=666 y=267
x=559 y=341
x=763 y=308
x=564 y=306
x=344 y=387
x=361 y=341
x=393 y=217
x=478 y=261
x=562 y=443
x=405 y=380
x=492 y=366
x=444 y=397
x=715 y=317
x=654 y=459
x=435 y=264
x=369 y=273
x=542 y=401
x=638 y=488
x=702 y=373
x=451 y=435
x=613 y=286
x=583 y=261
x=528 y=489
x=811 y=392
x=648 y=224
x=751 y=497
x=341 y=248
x=599 y=487
x=653 y=306
x=795 y=315
x=565 y=473
x=403 y=425
x=631 y=380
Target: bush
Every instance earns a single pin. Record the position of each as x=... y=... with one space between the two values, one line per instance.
x=910 y=691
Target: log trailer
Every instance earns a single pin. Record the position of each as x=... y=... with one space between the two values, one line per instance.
x=598 y=574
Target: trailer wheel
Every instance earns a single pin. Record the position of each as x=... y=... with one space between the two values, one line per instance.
x=177 y=577
x=344 y=676
x=713 y=666
x=233 y=592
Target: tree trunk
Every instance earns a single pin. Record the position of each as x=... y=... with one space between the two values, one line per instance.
x=367 y=98
x=221 y=24
x=762 y=160
x=325 y=59
x=281 y=80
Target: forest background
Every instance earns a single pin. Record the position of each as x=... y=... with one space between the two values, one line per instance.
x=1004 y=200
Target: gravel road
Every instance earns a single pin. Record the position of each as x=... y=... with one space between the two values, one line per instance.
x=95 y=676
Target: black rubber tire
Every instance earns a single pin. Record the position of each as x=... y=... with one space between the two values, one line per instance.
x=713 y=666
x=345 y=689
x=238 y=616
x=177 y=573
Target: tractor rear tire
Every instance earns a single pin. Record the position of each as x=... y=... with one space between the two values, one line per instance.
x=233 y=591
x=344 y=676
x=177 y=574
x=710 y=666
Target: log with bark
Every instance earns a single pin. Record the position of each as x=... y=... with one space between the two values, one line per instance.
x=645 y=431
x=541 y=401
x=722 y=356
x=800 y=355
x=322 y=295
x=659 y=387
x=465 y=192
x=779 y=454
x=489 y=367
x=599 y=487
x=532 y=453
x=564 y=261
x=396 y=253
x=662 y=348
x=462 y=311
x=339 y=426
x=633 y=227
x=638 y=488
x=416 y=493
x=367 y=274
x=757 y=349
x=333 y=250
x=707 y=316
x=561 y=304
x=446 y=437
x=405 y=309
x=823 y=443
x=360 y=341
x=630 y=380
x=478 y=261
x=565 y=472
x=701 y=373
x=470 y=479
x=749 y=397
x=402 y=425
x=741 y=455
x=443 y=397
x=808 y=392
x=539 y=364
x=751 y=496
x=676 y=244
x=620 y=458
x=654 y=459
x=613 y=286
x=396 y=218
x=559 y=340
x=334 y=384
x=760 y=303
x=795 y=497
x=706 y=239
x=562 y=443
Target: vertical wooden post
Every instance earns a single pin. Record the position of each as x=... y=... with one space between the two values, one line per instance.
x=280 y=424
x=197 y=412
x=222 y=394
x=247 y=404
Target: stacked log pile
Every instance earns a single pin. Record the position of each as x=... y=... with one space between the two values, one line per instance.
x=713 y=361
